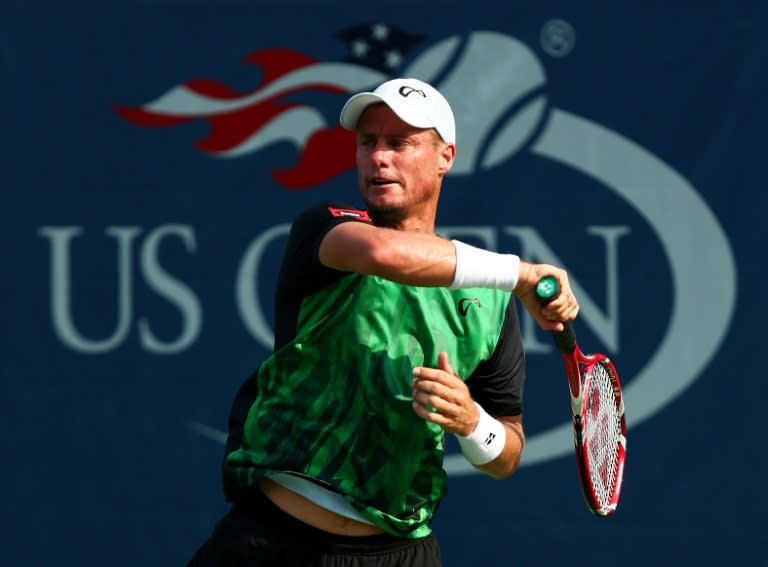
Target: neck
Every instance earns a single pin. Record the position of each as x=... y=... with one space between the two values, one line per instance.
x=414 y=218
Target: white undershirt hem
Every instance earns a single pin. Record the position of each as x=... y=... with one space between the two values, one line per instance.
x=323 y=497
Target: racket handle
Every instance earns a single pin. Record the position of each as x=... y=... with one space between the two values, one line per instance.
x=547 y=289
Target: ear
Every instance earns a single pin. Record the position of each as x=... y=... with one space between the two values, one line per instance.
x=447 y=155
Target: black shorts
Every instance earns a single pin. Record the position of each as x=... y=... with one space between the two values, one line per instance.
x=256 y=532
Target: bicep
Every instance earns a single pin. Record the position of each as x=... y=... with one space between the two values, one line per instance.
x=349 y=247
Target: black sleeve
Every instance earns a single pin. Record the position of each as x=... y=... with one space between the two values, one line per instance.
x=238 y=414
x=301 y=272
x=307 y=232
x=497 y=383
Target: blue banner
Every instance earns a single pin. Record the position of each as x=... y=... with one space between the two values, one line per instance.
x=155 y=152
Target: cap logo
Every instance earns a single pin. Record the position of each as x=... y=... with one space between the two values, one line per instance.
x=405 y=91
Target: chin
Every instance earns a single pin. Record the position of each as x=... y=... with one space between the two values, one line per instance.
x=386 y=215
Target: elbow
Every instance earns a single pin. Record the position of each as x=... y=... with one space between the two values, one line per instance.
x=498 y=476
x=500 y=469
x=505 y=472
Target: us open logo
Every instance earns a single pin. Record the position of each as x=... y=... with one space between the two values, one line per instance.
x=516 y=116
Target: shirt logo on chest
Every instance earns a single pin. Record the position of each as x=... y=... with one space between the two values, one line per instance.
x=465 y=303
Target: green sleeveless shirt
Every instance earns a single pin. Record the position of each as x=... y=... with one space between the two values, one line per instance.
x=334 y=403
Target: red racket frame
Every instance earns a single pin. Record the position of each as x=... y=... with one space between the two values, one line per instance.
x=579 y=368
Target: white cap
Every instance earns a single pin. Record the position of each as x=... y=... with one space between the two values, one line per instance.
x=414 y=101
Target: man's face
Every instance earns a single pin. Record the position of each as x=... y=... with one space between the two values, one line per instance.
x=400 y=167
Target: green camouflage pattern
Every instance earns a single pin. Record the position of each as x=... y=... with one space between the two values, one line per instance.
x=335 y=404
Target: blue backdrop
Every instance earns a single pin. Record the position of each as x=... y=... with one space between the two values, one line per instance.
x=153 y=153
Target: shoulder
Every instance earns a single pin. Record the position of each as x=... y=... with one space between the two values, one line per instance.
x=310 y=226
x=330 y=212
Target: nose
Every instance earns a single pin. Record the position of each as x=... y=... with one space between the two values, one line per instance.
x=380 y=153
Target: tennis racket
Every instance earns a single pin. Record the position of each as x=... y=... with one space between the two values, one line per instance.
x=597 y=407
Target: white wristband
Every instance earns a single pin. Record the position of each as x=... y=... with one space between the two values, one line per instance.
x=486 y=442
x=476 y=267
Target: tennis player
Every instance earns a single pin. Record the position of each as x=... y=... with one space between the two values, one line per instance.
x=388 y=336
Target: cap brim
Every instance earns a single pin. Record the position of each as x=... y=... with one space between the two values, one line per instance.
x=356 y=105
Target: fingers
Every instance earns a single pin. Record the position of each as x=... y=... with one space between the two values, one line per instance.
x=431 y=414
x=441 y=397
x=564 y=307
x=436 y=388
x=444 y=364
x=452 y=418
x=551 y=317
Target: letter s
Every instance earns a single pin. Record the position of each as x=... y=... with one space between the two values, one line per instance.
x=170 y=288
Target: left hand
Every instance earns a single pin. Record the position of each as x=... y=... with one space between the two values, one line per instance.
x=441 y=397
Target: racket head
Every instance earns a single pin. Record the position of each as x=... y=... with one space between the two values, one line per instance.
x=600 y=433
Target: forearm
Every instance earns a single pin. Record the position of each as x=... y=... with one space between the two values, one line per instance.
x=494 y=445
x=416 y=258
x=509 y=459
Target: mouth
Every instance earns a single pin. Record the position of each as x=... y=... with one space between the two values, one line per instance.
x=381 y=182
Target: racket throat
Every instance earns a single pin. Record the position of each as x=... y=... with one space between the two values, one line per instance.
x=574 y=377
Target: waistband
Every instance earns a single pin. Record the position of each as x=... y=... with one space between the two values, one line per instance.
x=252 y=501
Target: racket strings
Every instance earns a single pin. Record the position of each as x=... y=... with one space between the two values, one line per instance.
x=603 y=433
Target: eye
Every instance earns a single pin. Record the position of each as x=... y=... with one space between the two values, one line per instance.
x=365 y=141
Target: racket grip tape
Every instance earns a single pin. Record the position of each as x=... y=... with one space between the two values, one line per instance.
x=547 y=289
